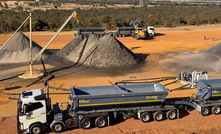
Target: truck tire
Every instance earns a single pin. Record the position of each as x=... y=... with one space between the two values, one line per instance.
x=86 y=123
x=151 y=34
x=171 y=115
x=145 y=117
x=36 y=129
x=101 y=122
x=119 y=35
x=158 y=116
x=57 y=127
x=123 y=35
x=205 y=111
x=216 y=110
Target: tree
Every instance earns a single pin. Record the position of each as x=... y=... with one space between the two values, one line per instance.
x=167 y=23
x=150 y=20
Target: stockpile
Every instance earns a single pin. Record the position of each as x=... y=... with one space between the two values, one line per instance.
x=214 y=50
x=208 y=60
x=17 y=50
x=106 y=53
x=83 y=52
x=66 y=50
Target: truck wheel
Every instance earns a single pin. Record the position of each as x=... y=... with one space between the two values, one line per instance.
x=172 y=114
x=151 y=34
x=119 y=35
x=101 y=122
x=57 y=127
x=205 y=111
x=36 y=129
x=158 y=116
x=145 y=117
x=216 y=110
x=86 y=123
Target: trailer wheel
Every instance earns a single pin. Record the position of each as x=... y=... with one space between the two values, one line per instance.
x=101 y=122
x=36 y=129
x=158 y=116
x=119 y=35
x=86 y=123
x=205 y=111
x=172 y=114
x=57 y=127
x=216 y=110
x=145 y=117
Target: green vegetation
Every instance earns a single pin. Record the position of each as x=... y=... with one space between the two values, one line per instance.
x=166 y=15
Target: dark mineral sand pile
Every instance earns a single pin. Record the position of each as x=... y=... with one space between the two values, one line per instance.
x=17 y=50
x=66 y=50
x=105 y=53
x=209 y=60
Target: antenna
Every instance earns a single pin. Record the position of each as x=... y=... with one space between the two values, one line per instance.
x=141 y=3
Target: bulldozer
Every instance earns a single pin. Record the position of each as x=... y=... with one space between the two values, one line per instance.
x=141 y=33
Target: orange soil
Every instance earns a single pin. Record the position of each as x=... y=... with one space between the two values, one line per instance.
x=170 y=39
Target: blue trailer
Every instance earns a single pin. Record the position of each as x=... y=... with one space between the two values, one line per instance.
x=123 y=31
x=98 y=31
x=208 y=98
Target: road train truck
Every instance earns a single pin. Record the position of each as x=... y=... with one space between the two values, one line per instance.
x=93 y=106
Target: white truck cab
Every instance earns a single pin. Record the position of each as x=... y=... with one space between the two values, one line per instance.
x=32 y=111
x=150 y=31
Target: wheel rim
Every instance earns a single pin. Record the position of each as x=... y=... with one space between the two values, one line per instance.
x=101 y=122
x=205 y=111
x=172 y=115
x=86 y=124
x=58 y=127
x=159 y=116
x=36 y=130
x=146 y=117
x=217 y=110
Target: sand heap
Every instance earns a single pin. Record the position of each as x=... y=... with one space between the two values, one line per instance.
x=83 y=52
x=105 y=53
x=66 y=50
x=17 y=50
x=207 y=60
x=214 y=50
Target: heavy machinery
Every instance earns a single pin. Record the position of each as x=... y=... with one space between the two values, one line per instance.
x=141 y=33
x=93 y=105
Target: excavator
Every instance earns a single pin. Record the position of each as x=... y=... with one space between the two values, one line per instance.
x=141 y=33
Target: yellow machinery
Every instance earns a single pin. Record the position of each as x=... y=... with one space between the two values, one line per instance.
x=141 y=33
